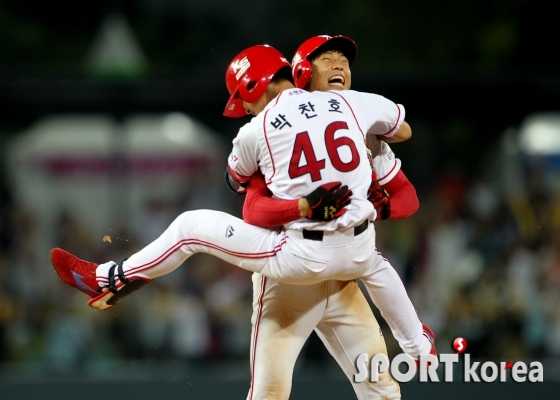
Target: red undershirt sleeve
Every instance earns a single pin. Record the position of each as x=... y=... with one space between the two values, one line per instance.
x=262 y=210
x=403 y=199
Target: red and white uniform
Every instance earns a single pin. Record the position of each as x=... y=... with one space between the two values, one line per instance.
x=385 y=164
x=285 y=315
x=286 y=255
x=302 y=140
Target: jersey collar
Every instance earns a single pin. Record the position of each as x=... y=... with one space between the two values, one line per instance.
x=284 y=96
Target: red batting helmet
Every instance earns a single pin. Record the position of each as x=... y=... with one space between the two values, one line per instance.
x=301 y=63
x=248 y=75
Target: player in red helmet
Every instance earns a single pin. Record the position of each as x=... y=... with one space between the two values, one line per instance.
x=303 y=67
x=247 y=81
x=323 y=63
x=302 y=142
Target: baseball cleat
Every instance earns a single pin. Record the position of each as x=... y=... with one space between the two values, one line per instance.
x=80 y=274
x=431 y=338
x=429 y=334
x=75 y=272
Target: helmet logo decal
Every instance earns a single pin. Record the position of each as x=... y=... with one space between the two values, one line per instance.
x=240 y=67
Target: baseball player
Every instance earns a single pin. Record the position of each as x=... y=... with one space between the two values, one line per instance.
x=336 y=323
x=296 y=156
x=384 y=285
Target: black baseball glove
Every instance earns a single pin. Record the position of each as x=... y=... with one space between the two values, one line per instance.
x=328 y=201
x=379 y=198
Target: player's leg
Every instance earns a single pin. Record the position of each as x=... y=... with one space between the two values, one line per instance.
x=283 y=318
x=297 y=260
x=200 y=231
x=284 y=256
x=389 y=295
x=204 y=231
x=349 y=329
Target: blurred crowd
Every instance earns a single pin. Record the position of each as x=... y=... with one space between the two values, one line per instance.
x=476 y=264
x=484 y=266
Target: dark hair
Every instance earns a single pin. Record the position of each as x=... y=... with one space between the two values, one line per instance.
x=283 y=74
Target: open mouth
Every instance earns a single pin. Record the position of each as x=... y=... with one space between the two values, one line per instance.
x=337 y=81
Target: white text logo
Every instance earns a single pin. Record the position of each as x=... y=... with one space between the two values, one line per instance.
x=240 y=67
x=488 y=372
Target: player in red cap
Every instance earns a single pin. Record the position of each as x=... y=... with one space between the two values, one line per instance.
x=322 y=63
x=305 y=144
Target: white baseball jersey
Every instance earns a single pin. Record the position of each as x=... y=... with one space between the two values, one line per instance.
x=302 y=140
x=385 y=164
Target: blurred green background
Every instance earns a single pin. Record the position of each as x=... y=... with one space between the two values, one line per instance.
x=111 y=124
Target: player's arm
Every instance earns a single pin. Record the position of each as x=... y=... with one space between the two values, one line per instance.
x=384 y=118
x=242 y=161
x=391 y=193
x=403 y=133
x=260 y=209
x=396 y=199
x=404 y=200
x=235 y=182
x=326 y=202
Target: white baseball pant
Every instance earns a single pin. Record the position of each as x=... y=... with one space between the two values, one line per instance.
x=285 y=315
x=287 y=257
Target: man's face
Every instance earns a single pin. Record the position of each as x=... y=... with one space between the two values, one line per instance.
x=330 y=71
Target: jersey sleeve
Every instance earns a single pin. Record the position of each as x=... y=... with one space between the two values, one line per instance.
x=385 y=164
x=403 y=199
x=381 y=116
x=244 y=156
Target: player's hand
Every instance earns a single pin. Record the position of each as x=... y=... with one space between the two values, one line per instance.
x=328 y=201
x=379 y=198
